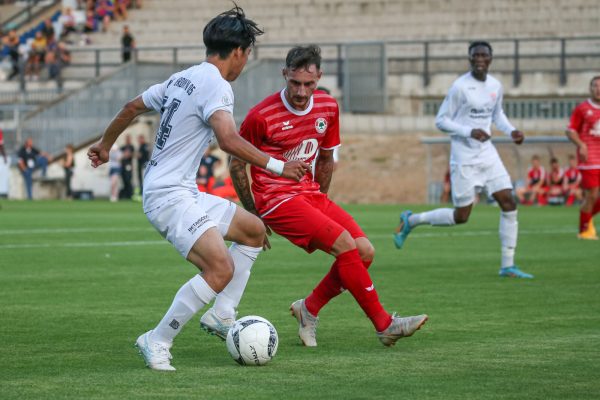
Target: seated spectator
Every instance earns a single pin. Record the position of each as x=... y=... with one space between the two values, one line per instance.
x=68 y=23
x=36 y=56
x=30 y=159
x=12 y=42
x=91 y=24
x=573 y=192
x=555 y=184
x=105 y=12
x=56 y=59
x=121 y=7
x=48 y=30
x=534 y=189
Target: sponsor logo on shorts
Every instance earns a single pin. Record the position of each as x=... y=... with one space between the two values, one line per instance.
x=174 y=324
x=201 y=221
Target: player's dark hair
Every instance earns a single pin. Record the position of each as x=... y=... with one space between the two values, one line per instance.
x=480 y=43
x=228 y=31
x=554 y=160
x=594 y=79
x=303 y=57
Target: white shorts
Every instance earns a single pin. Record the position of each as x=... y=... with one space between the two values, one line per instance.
x=468 y=180
x=183 y=220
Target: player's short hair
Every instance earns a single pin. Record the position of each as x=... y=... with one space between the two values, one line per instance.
x=228 y=31
x=477 y=43
x=594 y=79
x=535 y=157
x=554 y=160
x=303 y=57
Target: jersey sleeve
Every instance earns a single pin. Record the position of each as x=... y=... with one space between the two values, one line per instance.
x=220 y=99
x=448 y=110
x=576 y=120
x=153 y=96
x=332 y=138
x=253 y=128
x=499 y=117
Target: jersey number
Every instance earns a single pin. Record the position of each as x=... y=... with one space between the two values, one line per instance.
x=164 y=130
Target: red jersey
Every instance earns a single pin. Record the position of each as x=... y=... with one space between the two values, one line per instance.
x=573 y=175
x=1 y=137
x=585 y=120
x=556 y=177
x=536 y=175
x=286 y=134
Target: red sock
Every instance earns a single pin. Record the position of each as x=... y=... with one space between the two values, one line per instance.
x=327 y=289
x=596 y=208
x=570 y=200
x=584 y=221
x=356 y=279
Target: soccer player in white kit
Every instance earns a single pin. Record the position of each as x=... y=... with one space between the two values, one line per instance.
x=196 y=105
x=472 y=104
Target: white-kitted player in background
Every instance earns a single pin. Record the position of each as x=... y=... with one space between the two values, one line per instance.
x=473 y=102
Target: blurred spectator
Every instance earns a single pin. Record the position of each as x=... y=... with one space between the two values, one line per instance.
x=2 y=147
x=30 y=159
x=91 y=24
x=12 y=42
x=534 y=189
x=68 y=23
x=143 y=156
x=114 y=171
x=555 y=183
x=48 y=30
x=205 y=177
x=121 y=9
x=127 y=44
x=68 y=165
x=56 y=59
x=36 y=55
x=105 y=12
x=127 y=151
x=573 y=191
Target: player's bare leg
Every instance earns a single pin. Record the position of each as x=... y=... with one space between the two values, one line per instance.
x=508 y=230
x=247 y=232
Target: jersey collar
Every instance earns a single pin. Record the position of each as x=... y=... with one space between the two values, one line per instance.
x=292 y=109
x=596 y=106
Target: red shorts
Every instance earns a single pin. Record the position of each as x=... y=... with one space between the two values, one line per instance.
x=590 y=178
x=312 y=222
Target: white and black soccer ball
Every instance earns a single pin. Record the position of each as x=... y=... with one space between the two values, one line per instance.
x=252 y=340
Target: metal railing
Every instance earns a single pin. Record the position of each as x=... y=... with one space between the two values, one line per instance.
x=28 y=14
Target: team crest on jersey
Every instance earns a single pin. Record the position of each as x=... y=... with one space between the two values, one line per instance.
x=493 y=96
x=321 y=125
x=226 y=101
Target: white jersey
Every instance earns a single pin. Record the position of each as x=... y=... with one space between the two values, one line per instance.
x=472 y=104
x=185 y=101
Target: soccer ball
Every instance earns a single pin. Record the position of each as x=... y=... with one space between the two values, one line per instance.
x=252 y=340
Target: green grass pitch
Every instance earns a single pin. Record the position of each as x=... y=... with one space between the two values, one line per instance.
x=81 y=280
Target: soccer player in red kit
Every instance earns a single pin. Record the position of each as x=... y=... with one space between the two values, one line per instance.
x=535 y=188
x=573 y=182
x=584 y=132
x=302 y=123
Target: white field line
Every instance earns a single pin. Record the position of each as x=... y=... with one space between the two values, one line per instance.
x=442 y=232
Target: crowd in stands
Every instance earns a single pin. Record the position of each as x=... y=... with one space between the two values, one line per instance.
x=45 y=46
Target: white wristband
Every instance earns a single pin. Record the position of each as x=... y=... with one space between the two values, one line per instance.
x=276 y=166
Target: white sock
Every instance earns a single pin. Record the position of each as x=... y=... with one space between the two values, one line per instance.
x=509 y=228
x=190 y=298
x=228 y=300
x=437 y=217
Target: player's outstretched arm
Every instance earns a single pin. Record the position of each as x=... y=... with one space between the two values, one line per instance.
x=241 y=183
x=98 y=152
x=230 y=142
x=324 y=169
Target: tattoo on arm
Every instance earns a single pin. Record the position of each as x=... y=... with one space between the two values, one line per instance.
x=241 y=183
x=323 y=173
